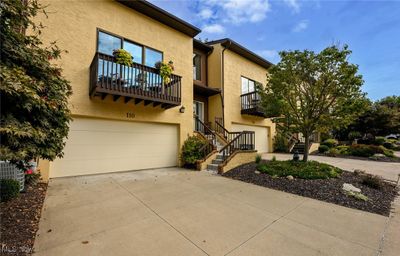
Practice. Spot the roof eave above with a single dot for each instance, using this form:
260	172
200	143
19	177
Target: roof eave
162	16
243	51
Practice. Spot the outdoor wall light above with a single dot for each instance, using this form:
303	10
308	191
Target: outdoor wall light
182	109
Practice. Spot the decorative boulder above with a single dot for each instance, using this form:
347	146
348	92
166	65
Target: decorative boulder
257	172
350	188
289	177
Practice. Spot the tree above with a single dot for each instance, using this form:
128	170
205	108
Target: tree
313	92
379	119
34	94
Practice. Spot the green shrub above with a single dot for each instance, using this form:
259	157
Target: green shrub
333	152
281	144
387	152
343	149
388	145
9	189
258	159
379	140
365	150
323	148
372	181
331	143
299	169
191	150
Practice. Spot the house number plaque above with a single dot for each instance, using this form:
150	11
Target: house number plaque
130	115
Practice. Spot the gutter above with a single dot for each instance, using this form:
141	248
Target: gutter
223	82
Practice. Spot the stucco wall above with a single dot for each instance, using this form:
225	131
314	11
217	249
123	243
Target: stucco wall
239	158
236	66
73	25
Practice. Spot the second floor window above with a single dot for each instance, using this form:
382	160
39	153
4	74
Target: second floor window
248	85
196	66
141	54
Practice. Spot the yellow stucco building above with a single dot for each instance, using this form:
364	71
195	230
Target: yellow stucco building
129	118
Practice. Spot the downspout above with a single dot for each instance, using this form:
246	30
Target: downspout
223	82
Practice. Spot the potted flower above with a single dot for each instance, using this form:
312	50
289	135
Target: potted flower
165	70
123	57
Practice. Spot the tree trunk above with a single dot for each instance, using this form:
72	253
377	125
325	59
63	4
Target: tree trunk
306	147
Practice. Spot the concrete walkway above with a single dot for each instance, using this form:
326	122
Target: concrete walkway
177	212
387	170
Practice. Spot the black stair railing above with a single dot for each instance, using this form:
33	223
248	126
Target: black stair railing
229	136
201	127
245	141
209	134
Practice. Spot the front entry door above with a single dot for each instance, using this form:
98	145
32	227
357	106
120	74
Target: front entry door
198	111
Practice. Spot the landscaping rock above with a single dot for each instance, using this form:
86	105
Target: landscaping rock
257	172
328	190
350	188
359	172
289	177
379	155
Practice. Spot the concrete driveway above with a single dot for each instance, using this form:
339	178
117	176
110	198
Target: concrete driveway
177	212
387	170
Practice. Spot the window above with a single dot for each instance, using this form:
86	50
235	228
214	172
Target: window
107	43
196	67
135	50
248	85
152	57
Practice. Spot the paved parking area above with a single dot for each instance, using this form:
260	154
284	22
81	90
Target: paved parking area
178	212
388	170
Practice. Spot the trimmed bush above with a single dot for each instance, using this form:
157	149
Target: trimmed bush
379	140
9	189
323	148
343	150
191	150
365	150
333	152
387	152
388	145
299	169
330	143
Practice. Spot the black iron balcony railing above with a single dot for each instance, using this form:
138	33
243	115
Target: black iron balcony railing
251	104
137	82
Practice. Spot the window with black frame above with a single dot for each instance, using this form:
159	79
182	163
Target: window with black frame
137	75
196	66
249	97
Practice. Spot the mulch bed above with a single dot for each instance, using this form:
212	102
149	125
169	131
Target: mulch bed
380	159
329	190
20	220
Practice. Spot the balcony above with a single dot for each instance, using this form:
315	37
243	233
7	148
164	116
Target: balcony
138	83
251	104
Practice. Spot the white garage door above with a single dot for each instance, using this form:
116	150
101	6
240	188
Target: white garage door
260	132
99	146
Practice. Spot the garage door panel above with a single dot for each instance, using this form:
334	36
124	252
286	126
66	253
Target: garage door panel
261	134
98	146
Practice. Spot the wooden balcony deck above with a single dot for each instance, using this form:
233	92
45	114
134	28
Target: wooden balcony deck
251	104
138	83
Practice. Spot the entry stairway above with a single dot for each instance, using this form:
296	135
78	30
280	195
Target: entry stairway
225	142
